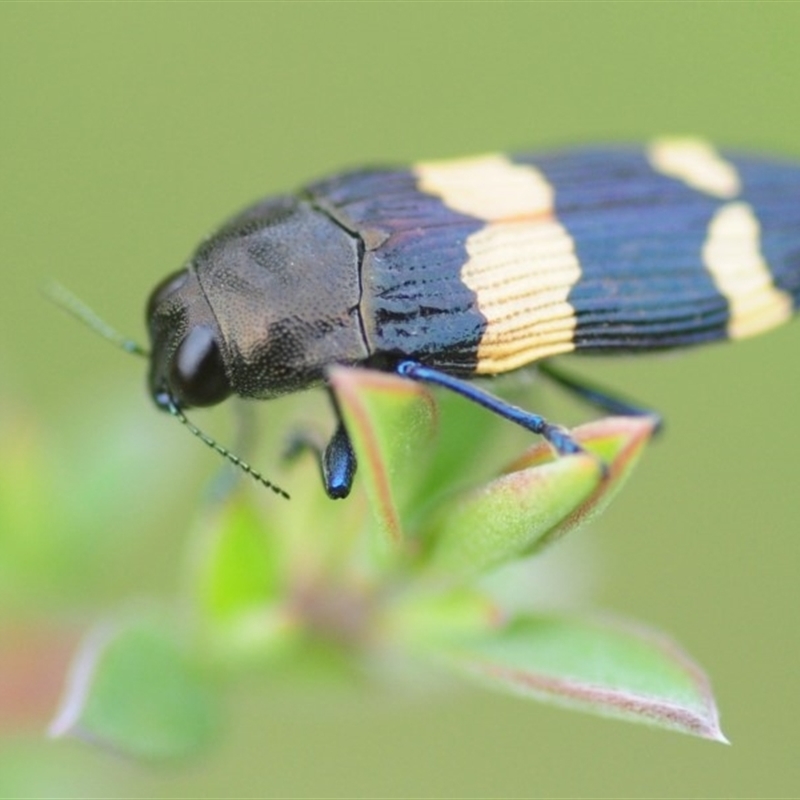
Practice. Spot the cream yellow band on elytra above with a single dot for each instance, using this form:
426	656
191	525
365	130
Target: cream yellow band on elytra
732	255
522	273
488	187
697	164
521	265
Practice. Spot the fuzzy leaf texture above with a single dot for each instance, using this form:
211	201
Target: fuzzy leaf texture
606	667
133	691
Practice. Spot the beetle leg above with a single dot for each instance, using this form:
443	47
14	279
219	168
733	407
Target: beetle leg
338	464
598	397
556	435
336	459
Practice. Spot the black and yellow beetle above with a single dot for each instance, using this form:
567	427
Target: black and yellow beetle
448	270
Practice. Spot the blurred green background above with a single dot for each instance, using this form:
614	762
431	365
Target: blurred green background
130	130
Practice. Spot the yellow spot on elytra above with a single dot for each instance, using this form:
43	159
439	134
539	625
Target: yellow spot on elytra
489	187
732	255
697	164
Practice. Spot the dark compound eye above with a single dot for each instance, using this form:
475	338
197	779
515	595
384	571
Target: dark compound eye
197	376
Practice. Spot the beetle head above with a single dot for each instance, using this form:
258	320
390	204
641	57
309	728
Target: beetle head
187	366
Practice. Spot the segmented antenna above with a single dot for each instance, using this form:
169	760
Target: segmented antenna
67	301
214	445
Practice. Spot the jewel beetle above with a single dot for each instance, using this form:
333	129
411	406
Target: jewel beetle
450	270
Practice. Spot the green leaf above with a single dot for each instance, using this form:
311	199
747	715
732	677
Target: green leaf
540	497
239	562
390	422
134	691
240	584
618	441
604	667
470	444
506	518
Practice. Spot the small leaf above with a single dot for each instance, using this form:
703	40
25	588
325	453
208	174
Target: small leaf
239	563
608	668
506	518
618	441
239	580
389	419
135	692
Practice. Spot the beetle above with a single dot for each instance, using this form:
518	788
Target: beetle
446	271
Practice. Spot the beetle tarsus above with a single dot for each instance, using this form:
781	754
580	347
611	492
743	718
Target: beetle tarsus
336	460
338	464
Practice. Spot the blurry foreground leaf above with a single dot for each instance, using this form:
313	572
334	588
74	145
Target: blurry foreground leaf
240	564
132	690
603	667
540	497
238	581
506	518
617	441
322	589
390	421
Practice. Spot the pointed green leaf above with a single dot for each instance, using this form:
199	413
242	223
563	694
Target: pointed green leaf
390	421
239	563
134	691
239	575
470	444
618	441
607	668
506	518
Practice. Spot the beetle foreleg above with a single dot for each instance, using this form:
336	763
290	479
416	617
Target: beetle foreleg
338	464
337	461
556	435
